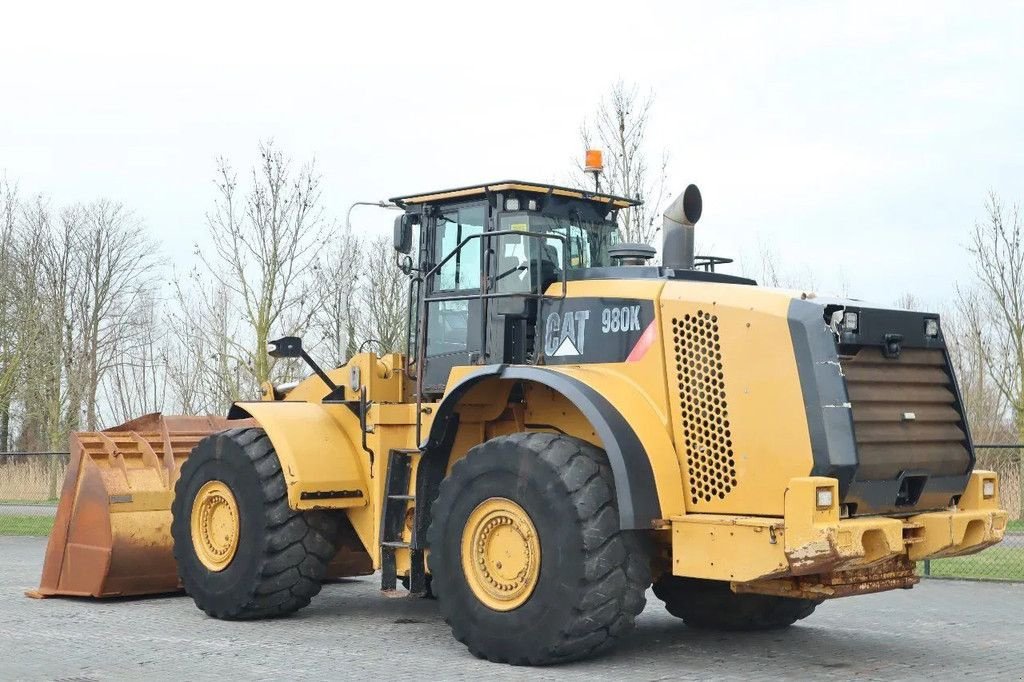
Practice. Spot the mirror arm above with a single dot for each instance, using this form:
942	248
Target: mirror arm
319	371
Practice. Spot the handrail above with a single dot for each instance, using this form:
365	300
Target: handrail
482	295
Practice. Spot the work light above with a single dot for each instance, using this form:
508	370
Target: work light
824	498
988	488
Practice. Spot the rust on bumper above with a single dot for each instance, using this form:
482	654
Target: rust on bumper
838	557
892	574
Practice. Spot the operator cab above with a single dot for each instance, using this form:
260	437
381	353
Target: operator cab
484	257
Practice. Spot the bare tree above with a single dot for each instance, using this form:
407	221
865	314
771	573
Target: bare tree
137	384
336	323
203	367
265	256
10	351
767	269
993	313
966	331
117	267
620	126
189	353
907	301
384	298
49	275
997	248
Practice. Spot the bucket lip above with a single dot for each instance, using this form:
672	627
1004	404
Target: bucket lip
155	422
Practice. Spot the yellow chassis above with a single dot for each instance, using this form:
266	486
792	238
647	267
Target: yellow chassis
811	552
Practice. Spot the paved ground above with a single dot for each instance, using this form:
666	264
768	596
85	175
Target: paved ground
939	630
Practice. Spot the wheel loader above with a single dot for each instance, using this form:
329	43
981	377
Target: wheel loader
570	424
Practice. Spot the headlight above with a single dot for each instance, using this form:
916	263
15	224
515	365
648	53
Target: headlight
824	498
931	328
512	204
988	488
851	321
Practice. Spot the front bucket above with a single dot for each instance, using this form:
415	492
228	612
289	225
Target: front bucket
112	533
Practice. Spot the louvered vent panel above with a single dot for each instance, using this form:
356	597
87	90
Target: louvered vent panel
905	415
705	415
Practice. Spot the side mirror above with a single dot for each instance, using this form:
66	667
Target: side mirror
403	233
285	347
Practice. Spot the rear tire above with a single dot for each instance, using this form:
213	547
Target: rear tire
712	605
279	557
588	576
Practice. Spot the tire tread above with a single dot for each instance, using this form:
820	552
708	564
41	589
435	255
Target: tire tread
616	568
298	545
712	605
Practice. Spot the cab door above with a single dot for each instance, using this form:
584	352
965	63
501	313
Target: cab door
453	310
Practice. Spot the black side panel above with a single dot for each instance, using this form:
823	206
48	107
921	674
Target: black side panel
634	480
826	403
591	329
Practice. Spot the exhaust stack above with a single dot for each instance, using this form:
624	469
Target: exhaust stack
677	229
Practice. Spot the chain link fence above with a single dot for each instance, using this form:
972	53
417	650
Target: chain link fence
30	484
1005	561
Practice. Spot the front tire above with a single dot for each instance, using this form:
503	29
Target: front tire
712	605
571	583
241	552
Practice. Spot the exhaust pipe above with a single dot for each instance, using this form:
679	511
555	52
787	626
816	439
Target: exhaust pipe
677	229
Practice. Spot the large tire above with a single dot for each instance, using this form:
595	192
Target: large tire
591	576
281	555
712	605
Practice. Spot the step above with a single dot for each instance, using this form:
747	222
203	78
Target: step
402	497
395	545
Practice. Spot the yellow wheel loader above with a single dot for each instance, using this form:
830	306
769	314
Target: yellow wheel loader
571	424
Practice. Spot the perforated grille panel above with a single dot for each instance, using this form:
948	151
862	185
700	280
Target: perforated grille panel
705	415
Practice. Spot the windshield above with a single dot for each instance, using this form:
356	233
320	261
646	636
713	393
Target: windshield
588	241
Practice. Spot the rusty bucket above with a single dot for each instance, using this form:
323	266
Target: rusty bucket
112	533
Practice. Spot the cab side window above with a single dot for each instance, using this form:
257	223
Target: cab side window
462	271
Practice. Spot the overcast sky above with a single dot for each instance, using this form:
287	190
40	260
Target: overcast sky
858	140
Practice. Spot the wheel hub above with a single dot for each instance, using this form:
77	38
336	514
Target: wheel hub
215	527
500	554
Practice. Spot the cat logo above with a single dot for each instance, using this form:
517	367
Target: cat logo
565	334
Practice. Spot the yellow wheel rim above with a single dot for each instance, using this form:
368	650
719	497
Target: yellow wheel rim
215	525
500	554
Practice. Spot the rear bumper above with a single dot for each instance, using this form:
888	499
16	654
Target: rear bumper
814	541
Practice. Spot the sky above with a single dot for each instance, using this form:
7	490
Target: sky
857	141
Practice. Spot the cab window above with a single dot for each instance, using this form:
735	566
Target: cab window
462	271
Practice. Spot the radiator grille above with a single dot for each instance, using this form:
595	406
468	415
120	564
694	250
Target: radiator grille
905	414
705	415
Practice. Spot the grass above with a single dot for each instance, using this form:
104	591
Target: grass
38	526
995	563
1016	526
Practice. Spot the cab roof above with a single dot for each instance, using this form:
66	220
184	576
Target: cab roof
515	186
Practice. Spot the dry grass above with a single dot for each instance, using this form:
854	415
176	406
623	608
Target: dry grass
31	479
1011	487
